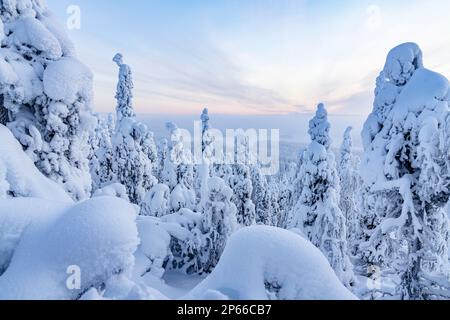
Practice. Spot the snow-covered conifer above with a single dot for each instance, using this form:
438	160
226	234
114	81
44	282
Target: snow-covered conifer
406	176
45	94
350	182
132	142
156	202
219	222
317	212
178	173
261	196
102	154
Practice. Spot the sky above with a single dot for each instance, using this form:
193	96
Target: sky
252	57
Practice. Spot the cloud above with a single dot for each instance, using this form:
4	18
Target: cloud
247	58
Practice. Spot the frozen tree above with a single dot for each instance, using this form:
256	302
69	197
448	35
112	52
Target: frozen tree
405	171
261	196
241	183
219	222
45	94
293	188
178	173
156	202
102	154
132	142
350	182
242	195
124	92
204	170
317	212
163	155
275	203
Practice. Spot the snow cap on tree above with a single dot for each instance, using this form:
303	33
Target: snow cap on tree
402	62
319	127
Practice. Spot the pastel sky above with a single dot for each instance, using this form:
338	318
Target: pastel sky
249	57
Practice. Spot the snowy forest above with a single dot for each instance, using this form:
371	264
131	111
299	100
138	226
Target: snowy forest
94	207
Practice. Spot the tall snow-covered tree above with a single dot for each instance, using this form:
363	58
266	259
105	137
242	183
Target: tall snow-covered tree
204	170
350	182
178	173
102	154
241	183
317	212
219	222
261	196
132	142
45	94
406	175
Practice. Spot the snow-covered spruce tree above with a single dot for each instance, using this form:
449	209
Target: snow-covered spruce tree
318	214
204	171
406	175
293	189
156	202
178	173
132	166
102	153
45	94
261	196
219	222
163	154
275	203
241	183
350	182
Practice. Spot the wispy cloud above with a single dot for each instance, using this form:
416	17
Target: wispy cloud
257	56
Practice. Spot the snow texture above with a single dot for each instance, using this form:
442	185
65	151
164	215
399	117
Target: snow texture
98	236
278	265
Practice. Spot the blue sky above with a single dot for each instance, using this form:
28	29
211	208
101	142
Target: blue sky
252	56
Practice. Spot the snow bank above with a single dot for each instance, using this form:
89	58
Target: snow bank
278	264
16	216
66	79
23	178
98	237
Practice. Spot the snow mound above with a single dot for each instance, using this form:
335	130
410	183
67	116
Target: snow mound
67	79
23	178
278	264
425	90
98	237
16	216
402	62
31	31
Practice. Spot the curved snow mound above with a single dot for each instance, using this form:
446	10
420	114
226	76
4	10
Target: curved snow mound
67	79
262	263
18	175
95	239
402	61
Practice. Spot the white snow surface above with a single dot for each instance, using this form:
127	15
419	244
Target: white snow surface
66	79
272	256
99	236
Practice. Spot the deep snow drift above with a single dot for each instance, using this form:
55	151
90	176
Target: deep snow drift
98	236
269	263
